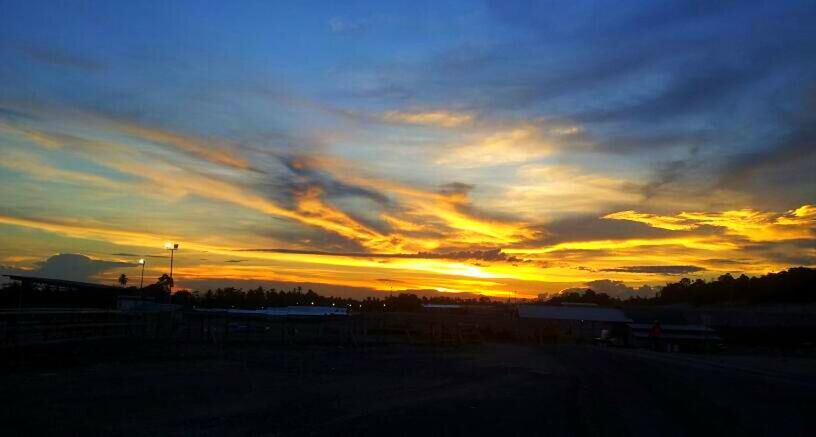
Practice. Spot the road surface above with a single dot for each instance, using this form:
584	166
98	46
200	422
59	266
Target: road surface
398	390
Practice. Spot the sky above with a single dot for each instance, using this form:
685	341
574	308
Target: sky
502	148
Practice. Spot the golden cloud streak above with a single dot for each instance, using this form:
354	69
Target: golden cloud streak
748	223
428	207
691	243
655	221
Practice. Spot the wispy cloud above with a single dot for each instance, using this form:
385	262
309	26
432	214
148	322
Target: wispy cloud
344	25
439	118
60	57
507	144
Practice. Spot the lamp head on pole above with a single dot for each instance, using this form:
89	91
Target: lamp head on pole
142	261
171	246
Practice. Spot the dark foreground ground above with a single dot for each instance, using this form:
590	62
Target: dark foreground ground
394	390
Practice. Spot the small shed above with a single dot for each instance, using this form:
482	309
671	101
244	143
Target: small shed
577	322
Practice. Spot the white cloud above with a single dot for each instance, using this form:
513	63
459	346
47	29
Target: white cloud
341	25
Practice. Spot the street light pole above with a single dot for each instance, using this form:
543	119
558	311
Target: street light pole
141	280
172	247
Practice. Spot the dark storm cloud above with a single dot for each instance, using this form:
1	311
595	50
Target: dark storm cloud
659	270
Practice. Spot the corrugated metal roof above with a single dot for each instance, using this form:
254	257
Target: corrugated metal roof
284	311
61	282
664	327
592	314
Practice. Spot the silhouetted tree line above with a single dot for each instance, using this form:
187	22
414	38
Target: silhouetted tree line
795	285
587	296
258	298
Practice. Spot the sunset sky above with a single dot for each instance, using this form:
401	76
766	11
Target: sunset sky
501	148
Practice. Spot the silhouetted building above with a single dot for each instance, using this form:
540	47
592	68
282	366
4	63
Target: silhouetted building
48	292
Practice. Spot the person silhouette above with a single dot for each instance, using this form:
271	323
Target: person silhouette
656	335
